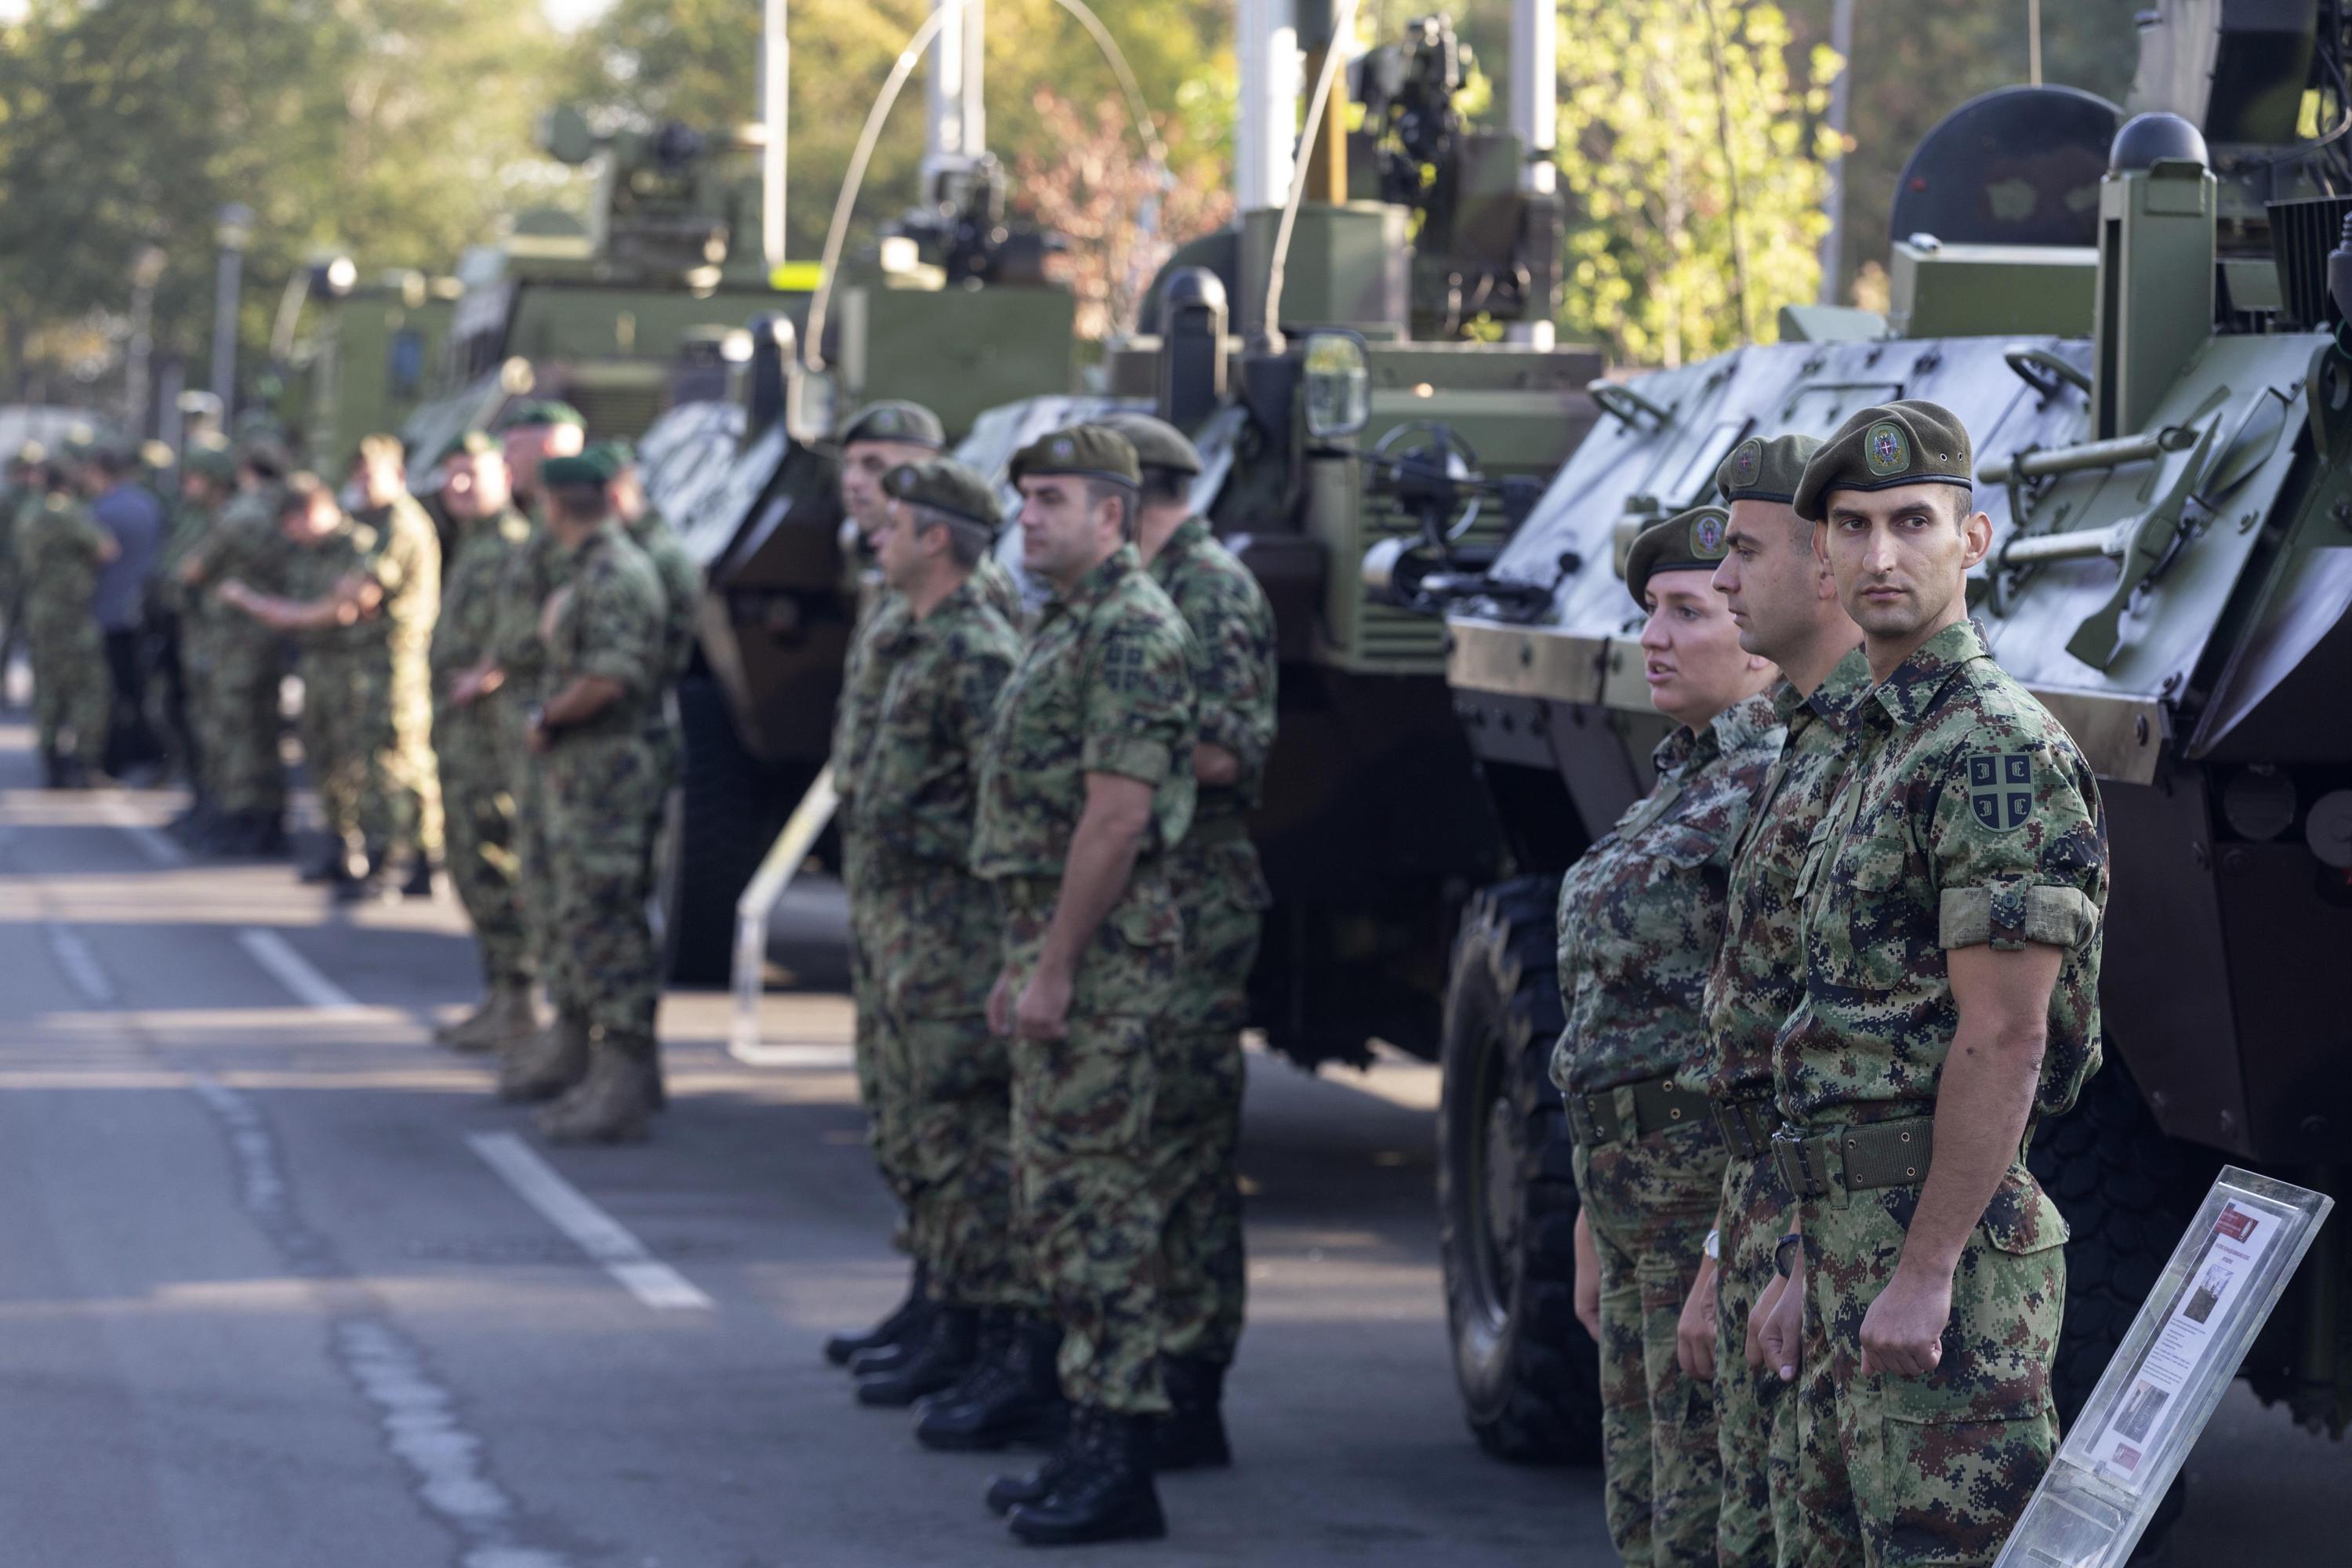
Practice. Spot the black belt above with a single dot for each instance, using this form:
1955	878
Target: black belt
1851	1159
1657	1105
1746	1124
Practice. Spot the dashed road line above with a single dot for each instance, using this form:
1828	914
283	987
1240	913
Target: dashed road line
151	841
596	1232
296	974
80	965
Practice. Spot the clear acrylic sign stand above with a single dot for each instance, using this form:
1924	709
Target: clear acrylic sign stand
2163	1385
751	911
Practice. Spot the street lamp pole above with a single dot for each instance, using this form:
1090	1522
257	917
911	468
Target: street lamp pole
146	271
235	232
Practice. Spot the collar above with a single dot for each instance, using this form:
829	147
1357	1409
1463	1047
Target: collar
1189	536
1909	694
602	534
1098	584
1737	727
1847	683
964	597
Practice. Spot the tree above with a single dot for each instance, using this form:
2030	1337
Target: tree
1692	154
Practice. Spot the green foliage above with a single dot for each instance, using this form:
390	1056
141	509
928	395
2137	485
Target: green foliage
1654	256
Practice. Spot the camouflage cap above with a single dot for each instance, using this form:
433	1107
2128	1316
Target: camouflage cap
612	459
1687	541
1090	452
210	460
539	411
1761	469
1913	442
470	444
577	473
894	419
945	485
1156	443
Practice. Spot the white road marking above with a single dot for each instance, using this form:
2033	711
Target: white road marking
818	1057
80	965
596	1232
296	974
150	842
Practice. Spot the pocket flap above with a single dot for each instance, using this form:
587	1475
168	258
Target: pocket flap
2021	1219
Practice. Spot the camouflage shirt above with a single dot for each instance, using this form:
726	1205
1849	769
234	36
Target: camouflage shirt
189	523
1759	971
314	571
1640	915
405	562
243	543
922	756
533	572
608	623
58	546
1233	665
1104	686
1965	815
682	583
866	672
466	630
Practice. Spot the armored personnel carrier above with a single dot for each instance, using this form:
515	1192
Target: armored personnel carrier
2140	321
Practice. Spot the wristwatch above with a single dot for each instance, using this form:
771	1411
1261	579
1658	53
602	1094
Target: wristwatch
1714	1248
1786	1251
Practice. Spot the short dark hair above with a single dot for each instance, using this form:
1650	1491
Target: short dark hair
966	540
1102	490
1166	485
579	504
301	491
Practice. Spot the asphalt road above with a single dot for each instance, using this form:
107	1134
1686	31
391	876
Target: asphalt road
280	1283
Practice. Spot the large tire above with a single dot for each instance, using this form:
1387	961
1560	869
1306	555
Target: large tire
1529	1374
726	819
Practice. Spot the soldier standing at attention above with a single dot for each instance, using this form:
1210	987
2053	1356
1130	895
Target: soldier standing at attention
1640	916
1786	609
1086	790
932	924
604	637
63	551
473	732
1196	1118
207	474
1953	902
241	719
878	438
400	799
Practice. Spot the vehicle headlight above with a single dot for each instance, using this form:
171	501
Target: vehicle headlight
1339	386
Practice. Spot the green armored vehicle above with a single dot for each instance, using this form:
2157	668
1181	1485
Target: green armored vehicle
2141	325
368	359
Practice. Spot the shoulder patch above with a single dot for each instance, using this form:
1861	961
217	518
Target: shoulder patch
2001	789
1886	449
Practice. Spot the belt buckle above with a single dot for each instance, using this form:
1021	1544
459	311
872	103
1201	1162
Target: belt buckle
1805	1184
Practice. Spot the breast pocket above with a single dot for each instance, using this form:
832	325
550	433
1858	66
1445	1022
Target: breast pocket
1871	883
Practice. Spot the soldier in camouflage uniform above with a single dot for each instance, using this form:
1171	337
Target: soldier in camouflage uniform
932	925
604	637
22	486
207	473
61	548
240	718
474	732
1953	899
1196	1120
1786	609
1087	791
1640	915
400	794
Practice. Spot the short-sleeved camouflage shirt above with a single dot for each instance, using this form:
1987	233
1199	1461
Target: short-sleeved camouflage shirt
316	570
1104	686
868	670
406	564
682	583
1641	913
58	545
608	623
466	631
1234	665
1759	971
534	573
921	766
1965	815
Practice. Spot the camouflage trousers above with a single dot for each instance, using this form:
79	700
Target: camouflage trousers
1758	1439
933	945
602	797
1196	1117
879	1054
526	776
1084	1199
1650	1202
334	731
1904	1472
72	693
400	804
470	755
240	717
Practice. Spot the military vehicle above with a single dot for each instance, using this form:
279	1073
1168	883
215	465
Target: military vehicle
2141	323
367	361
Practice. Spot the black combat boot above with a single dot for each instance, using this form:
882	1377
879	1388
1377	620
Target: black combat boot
904	1322
1006	1492
52	770
1105	1494
422	870
1192	1435
330	865
941	1359
373	883
1016	1398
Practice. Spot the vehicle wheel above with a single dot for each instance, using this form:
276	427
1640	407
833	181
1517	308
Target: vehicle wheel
1529	1374
725	823
2123	1186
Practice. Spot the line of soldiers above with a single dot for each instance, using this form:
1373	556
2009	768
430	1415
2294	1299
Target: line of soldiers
1055	906
1821	984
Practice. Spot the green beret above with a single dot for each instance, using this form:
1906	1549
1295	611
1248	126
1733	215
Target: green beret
894	419
1687	541
611	456
539	411
945	485
1909	443
573	473
1090	451
1758	469
210	461
470	444
1156	443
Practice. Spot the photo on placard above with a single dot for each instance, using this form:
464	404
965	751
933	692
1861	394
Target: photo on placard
2202	1300
2138	1412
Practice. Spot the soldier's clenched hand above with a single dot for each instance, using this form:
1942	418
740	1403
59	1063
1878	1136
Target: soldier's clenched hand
1781	1336
1042	1012
1588	1278
1903	1332
1695	1330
